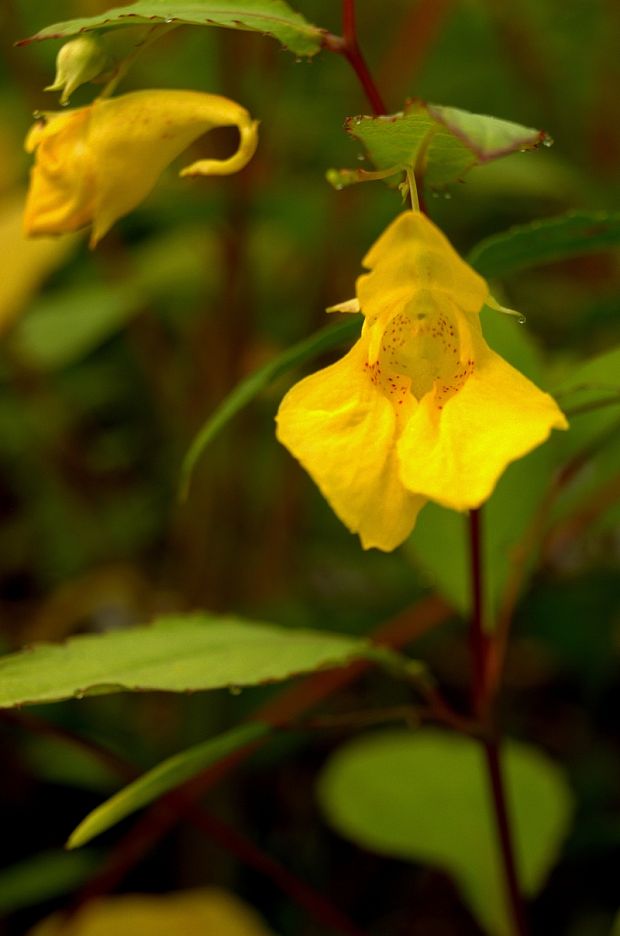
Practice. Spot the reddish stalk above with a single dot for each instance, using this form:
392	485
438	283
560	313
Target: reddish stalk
167	811
502	820
477	635
482	702
348	46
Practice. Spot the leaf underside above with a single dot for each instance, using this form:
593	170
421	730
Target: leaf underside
270	17
441	143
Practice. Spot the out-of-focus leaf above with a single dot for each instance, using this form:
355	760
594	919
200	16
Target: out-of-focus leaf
208	910
175	654
581	394
161	779
616	927
25	262
442	143
529	245
43	877
248	389
63	328
269	17
590	394
425	797
52	760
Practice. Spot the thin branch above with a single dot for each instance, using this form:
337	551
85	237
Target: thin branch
348	46
482	700
168	810
478	639
500	806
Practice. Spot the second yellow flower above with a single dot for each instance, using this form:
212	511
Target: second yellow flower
95	164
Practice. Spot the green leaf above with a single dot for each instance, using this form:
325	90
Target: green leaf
425	797
248	389
269	17
590	396
442	143
43	877
546	241
176	654
63	328
588	385
161	779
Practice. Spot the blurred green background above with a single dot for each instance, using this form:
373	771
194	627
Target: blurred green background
111	360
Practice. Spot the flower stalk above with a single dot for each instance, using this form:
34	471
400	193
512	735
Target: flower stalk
347	45
482	702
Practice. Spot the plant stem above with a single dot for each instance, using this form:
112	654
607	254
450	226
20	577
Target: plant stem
348	46
477	636
500	807
482	698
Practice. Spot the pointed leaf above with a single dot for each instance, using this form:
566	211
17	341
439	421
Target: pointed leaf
175	654
546	241
443	143
166	776
248	389
42	877
425	797
269	17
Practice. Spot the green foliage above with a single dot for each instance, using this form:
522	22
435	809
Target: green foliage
424	797
546	241
64	328
165	777
43	877
441	143
175	654
112	359
324	340
269	17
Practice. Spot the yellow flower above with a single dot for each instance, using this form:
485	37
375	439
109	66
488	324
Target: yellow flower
420	408
95	164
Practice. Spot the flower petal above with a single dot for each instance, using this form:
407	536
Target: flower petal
61	194
412	254
135	136
343	431
456	455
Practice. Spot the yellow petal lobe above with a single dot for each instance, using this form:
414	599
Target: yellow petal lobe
343	430
456	455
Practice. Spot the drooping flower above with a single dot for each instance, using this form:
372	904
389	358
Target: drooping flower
420	408
95	164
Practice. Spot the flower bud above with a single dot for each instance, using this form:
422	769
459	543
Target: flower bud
77	62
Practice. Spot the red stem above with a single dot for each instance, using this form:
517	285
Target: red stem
348	46
500	806
163	816
477	636
349	27
328	916
482	699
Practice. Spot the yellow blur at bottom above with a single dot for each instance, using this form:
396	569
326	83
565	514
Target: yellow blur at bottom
207	912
